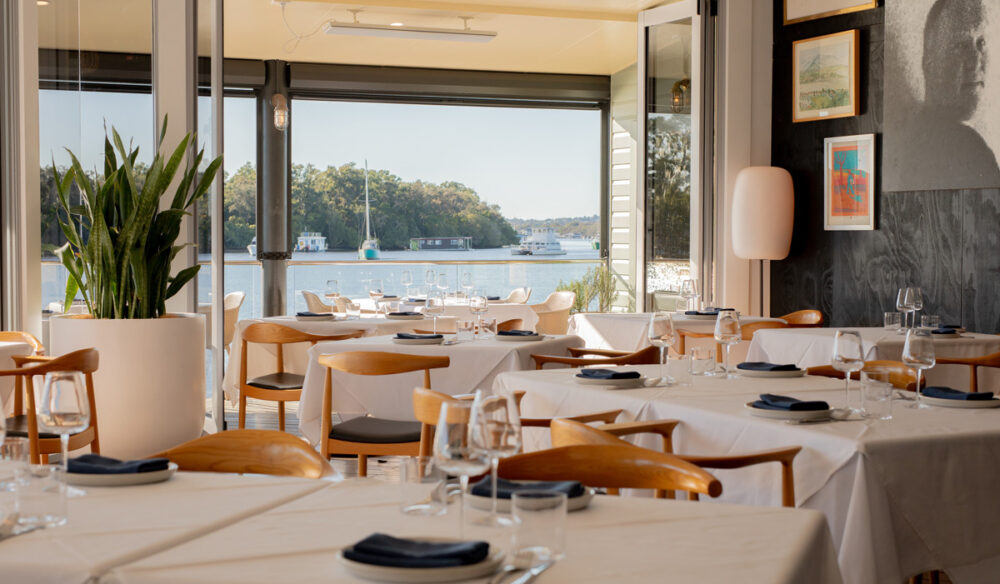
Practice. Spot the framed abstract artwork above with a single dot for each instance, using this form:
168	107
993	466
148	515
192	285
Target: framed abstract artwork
800	10
849	183
825	77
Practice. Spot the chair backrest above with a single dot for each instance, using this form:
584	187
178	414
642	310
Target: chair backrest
517	296
383	363
23	337
427	408
974	363
558	300
230	315
314	304
280	335
611	466
250	451
553	322
749	329
901	376
804	318
510	325
645	356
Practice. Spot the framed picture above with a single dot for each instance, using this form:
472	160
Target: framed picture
825	77
800	10
849	183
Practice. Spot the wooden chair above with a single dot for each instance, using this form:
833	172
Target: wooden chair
644	356
611	466
368	436
568	432
974	363
747	331
314	304
37	348
553	314
280	386
804	318
901	376
230	316
513	324
250	451
26	424
517	296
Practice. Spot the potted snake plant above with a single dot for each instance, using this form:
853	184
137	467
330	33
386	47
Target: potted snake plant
121	240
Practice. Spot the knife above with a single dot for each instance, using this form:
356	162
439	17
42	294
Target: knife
533	573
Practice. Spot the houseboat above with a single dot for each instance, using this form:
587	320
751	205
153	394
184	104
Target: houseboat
311	241
441	243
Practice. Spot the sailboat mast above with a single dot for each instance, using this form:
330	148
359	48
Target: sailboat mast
368	233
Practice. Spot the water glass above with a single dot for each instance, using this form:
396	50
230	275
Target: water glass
728	332
702	360
662	334
892	321
466	330
454	452
353	311
876	394
422	487
848	356
930	321
332	291
682	370
13	457
539	527
40	498
918	353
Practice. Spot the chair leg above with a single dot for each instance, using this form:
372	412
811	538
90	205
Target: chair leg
243	411
281	416
362	465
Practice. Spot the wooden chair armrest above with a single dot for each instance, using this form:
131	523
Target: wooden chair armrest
607	417
695	334
664	428
22	359
782	455
580	351
955	361
541	360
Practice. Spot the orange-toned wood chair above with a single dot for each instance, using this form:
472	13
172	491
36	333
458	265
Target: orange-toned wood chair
369	436
280	386
568	432
26	424
809	318
747	331
250	451
901	376
644	356
974	363
513	324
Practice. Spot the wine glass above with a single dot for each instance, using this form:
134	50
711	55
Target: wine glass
434	306
478	306
848	356
495	428
64	408
915	301
467	284
332	291
728	333
454	452
918	352
406	280
689	291
442	282
662	334
429	278
375	291
901	306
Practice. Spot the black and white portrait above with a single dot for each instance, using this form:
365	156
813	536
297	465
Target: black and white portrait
942	95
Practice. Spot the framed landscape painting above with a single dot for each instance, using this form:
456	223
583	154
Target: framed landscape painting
849	183
825	77
800	10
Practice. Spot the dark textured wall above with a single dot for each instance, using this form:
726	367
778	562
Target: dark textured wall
943	241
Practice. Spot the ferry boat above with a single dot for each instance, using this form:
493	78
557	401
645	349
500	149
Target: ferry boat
311	241
539	241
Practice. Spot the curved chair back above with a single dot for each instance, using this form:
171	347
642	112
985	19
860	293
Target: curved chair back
250	451
517	296
510	325
558	300
427	408
804	318
974	363
383	363
230	315
901	376
645	356
314	304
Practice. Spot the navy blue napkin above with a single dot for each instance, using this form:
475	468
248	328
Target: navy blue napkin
412	336
943	330
493	298
951	326
770	401
389	296
385	550
517	333
762	366
97	464
404	313
707	312
507	488
607	374
307	313
412	300
949	393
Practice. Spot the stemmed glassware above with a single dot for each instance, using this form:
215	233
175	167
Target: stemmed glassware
455	453
375	291
406	280
495	428
429	279
918	352
332	292
662	334
434	306
689	292
915	302
467	284
478	306
64	407
442	282
728	333
848	356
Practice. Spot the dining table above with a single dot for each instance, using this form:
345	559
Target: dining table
9	350
629	331
474	364
458	308
902	496
216	528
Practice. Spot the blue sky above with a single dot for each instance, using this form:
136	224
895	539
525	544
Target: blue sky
534	163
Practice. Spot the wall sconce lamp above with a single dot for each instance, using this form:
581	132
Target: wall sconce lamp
280	112
680	95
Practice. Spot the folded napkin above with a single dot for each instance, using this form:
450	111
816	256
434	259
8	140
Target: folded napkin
951	326
770	401
493	298
307	313
404	313
943	330
385	550
389	296
949	393
97	464
412	300
706	312
607	374
413	336
762	366
517	333
506	488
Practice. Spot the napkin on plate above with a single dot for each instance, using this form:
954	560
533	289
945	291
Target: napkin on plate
506	488
404	313
385	550
389	296
943	330
607	374
770	401
493	298
414	336
517	333
949	393
97	464
307	313
707	312
413	300
762	366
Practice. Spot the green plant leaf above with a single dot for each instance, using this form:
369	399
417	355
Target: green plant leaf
178	281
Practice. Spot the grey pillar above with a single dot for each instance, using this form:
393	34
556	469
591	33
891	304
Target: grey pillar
274	192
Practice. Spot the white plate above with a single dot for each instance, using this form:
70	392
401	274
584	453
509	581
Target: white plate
404	316
503	505
418	341
517	339
120	480
449	574
747	373
788	415
960	403
700	316
954	335
316	318
615	383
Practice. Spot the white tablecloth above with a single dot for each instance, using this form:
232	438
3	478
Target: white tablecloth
614	540
261	358
474	365
902	496
628	331
7	352
814	346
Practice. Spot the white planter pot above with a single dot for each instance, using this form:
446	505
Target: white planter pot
150	385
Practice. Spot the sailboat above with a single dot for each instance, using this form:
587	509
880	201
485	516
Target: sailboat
369	247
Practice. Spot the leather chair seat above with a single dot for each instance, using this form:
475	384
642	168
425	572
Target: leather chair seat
278	381
369	430
17	426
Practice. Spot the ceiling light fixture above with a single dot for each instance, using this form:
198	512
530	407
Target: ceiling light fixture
397	30
43	2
